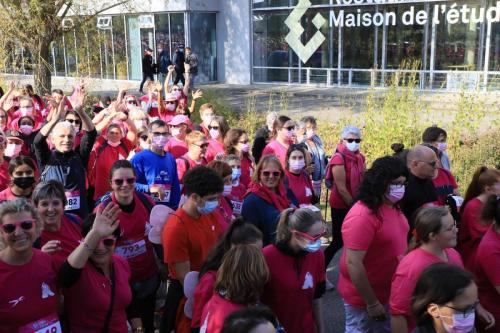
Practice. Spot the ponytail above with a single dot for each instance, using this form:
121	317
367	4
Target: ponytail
483	176
300	219
283	230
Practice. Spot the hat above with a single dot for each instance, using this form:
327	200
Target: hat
148	49
170	97
179	119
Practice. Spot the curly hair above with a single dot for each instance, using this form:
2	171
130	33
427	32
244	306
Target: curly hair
377	179
202	181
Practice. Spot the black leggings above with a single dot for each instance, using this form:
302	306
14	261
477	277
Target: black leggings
145	305
338	216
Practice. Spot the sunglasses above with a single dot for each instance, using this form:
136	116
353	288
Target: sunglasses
290	128
73	121
132	102
353	140
465	312
160	133
309	237
144	137
120	182
269	173
170	102
11	227
432	164
108	241
213	127
203	146
244	142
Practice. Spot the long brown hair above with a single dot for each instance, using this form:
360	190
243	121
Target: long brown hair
231	139
427	221
243	274
483	176
301	219
266	159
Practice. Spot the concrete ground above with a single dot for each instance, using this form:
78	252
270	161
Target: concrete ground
333	307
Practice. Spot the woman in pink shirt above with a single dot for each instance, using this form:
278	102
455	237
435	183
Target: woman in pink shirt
240	282
179	128
297	179
282	136
217	130
374	232
236	142
485	182
224	212
434	239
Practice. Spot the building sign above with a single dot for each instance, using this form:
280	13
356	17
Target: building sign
449	13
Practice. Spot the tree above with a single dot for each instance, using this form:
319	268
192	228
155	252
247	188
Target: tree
35	24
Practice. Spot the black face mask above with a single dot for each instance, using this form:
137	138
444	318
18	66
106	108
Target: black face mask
24	182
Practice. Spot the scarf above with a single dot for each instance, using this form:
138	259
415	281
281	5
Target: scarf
355	167
278	200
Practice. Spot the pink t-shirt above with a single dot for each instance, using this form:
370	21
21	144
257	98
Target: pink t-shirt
236	197
69	234
4	175
202	294
176	147
28	293
487	271
184	163
246	169
471	231
214	148
215	312
301	187
276	148
406	276
384	240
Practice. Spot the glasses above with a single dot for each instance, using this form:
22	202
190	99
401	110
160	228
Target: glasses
120	182
202	146
309	237
170	102
73	121
11	227
108	241
213	127
160	133
3	116
353	140
432	164
269	173
131	101
244	141
144	137
465	312
290	128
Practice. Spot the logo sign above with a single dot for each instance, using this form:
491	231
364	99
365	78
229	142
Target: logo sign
304	52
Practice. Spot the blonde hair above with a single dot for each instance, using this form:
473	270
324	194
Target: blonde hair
15	207
206	106
194	137
243	274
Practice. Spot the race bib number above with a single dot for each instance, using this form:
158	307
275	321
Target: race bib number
237	206
73	199
166	189
308	192
131	250
45	325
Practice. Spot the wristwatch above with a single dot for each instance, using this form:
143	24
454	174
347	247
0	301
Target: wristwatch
138	329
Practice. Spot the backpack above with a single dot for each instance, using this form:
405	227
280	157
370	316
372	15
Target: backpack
328	172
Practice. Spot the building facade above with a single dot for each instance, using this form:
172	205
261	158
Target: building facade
447	44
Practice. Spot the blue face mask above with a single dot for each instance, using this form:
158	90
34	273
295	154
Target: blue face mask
313	246
236	174
209	207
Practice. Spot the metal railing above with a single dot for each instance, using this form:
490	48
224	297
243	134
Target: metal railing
449	80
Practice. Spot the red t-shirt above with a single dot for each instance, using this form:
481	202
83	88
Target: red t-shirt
384	240
291	290
301	187
87	301
471	231
7	195
336	201
133	245
445	184
247	170
202	294
4	175
101	165
176	147
236	197
276	148
182	166
216	311
69	234
154	106
28	293
187	239
487	271
224	213
406	276
214	148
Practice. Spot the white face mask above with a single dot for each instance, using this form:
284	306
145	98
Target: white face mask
214	134
207	119
297	165
170	107
352	146
175	131
309	133
12	150
140	123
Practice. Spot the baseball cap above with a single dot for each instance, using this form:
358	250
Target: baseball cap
180	119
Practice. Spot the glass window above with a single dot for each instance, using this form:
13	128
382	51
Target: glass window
269	3
163	54
92	45
495	47
176	31
204	45
58	56
119	48
71	56
358	43
134	48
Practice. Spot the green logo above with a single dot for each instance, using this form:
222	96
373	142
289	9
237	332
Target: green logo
304	52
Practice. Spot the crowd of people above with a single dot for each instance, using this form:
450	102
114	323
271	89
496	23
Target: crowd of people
134	218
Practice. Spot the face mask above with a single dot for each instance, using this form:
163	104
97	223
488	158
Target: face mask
442	146
313	246
245	147
159	141
139	123
352	146
154	104
209	207
288	134
170	107
24	182
297	165
459	323
26	110
144	145
26	129
176	93
236	174
309	134
395	193
207	119
214	134
12	150
175	131
227	190
114	144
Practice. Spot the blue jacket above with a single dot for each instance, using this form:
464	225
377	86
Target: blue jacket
151	168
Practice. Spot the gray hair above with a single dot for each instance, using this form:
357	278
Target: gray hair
47	190
63	124
349	129
301	124
15	207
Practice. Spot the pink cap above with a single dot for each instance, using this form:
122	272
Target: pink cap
180	119
170	97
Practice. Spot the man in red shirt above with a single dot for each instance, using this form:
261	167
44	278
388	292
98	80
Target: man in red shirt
189	234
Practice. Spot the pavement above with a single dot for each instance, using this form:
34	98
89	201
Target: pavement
333	307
